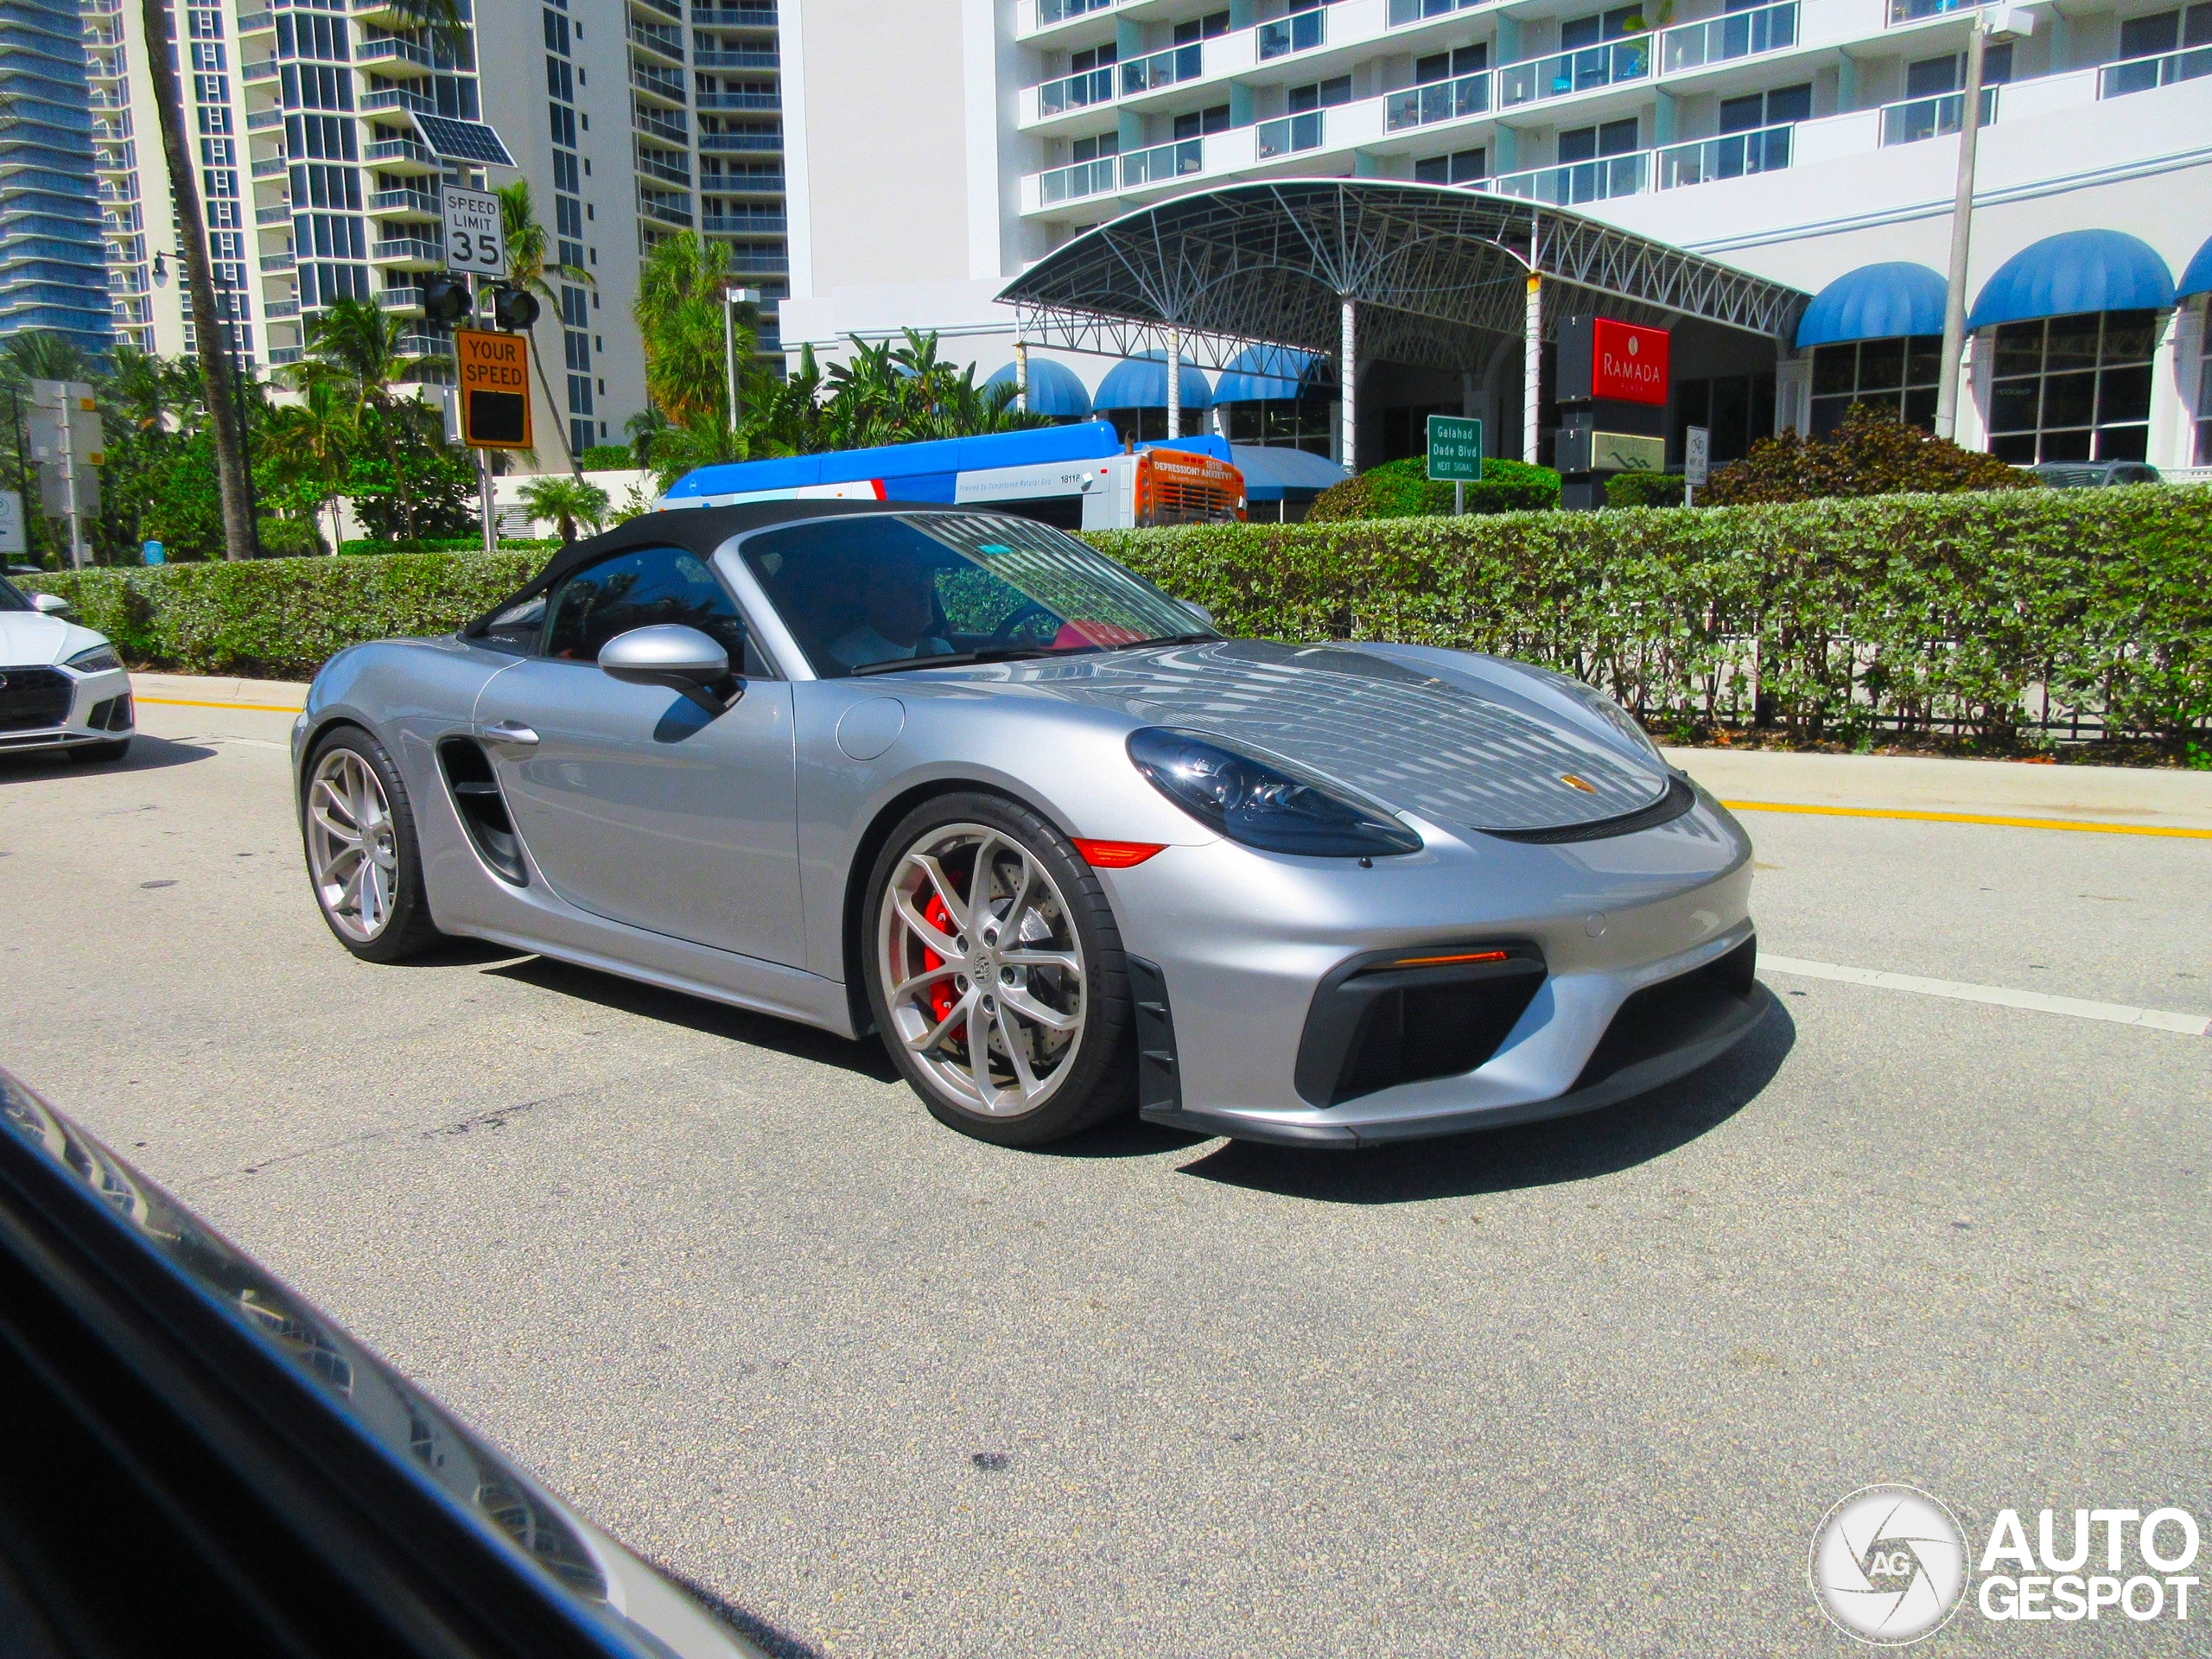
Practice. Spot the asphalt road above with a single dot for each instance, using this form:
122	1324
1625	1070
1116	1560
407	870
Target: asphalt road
1580	1388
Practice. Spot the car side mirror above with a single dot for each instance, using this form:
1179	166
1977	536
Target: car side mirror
683	660
49	604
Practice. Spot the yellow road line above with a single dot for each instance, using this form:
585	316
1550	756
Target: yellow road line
256	707
1969	817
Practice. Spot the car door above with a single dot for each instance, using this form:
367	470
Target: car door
635	802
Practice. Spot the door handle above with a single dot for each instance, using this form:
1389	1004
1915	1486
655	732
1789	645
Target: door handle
511	731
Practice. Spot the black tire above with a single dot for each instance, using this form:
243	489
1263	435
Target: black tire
87	754
407	929
1096	1078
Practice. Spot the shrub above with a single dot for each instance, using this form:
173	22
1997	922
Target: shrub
1645	489
1873	453
450	544
289	538
1401	489
607	458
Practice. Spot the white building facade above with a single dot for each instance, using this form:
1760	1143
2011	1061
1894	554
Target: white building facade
632	119
1813	142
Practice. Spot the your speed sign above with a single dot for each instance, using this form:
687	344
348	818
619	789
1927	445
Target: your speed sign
474	241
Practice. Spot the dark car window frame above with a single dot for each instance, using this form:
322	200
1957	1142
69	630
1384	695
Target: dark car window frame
757	664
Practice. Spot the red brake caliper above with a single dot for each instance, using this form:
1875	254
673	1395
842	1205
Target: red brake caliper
941	997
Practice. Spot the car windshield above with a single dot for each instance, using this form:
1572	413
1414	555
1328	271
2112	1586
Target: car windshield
11	597
873	593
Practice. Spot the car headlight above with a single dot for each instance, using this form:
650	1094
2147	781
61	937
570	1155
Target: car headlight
1614	716
98	661
1263	803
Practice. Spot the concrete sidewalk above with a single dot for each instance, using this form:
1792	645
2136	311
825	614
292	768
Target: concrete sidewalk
2114	797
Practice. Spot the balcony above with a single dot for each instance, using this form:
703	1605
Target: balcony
1158	69
671	9
280	215
744	224
264	70
662	42
262	120
667	212
1913	12
770	143
280	356
1732	155
431	346
1288	136
652	123
277	262
392	13
740	100
276	310
742	184
404	301
406	204
1585	71
1050	12
396	58
1578	181
1299	32
1075	92
256	23
734	16
1916	119
411	252
1403	12
270	166
2142	74
653	83
1722	40
749	57
400	156
649	164
759	264
1098	178
1162	163
1440	100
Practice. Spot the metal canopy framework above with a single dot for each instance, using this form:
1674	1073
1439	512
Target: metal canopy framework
1438	274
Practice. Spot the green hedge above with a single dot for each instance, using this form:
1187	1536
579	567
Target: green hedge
1954	606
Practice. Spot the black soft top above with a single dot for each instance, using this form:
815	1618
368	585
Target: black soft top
697	529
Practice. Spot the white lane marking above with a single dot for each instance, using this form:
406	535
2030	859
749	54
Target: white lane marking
2119	1013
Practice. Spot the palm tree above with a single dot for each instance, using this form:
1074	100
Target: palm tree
527	270
568	502
313	440
354	347
233	485
709	442
679	315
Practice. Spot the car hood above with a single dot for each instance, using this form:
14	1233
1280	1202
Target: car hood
1457	738
33	640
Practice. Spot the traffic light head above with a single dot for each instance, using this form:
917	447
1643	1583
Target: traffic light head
515	309
445	298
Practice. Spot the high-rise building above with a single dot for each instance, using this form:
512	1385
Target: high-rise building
318	184
51	274
1813	142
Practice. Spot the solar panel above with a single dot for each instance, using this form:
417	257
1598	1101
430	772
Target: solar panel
461	141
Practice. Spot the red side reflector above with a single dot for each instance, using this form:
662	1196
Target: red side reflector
1116	854
1438	962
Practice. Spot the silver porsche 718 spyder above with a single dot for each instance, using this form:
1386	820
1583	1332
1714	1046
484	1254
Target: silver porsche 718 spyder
955	778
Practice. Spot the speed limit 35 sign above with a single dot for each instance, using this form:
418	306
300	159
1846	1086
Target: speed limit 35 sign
475	240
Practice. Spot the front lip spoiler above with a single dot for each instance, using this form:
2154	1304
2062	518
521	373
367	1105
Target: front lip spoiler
1625	1084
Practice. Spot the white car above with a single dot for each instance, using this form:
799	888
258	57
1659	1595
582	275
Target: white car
61	687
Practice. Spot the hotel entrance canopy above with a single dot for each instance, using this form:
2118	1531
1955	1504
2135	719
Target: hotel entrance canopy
1368	270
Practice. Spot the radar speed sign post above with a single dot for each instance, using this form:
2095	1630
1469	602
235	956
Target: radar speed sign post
1455	454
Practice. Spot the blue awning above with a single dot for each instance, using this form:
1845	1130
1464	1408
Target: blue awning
2198	279
2072	272
1274	472
1875	303
1142	383
1054	389
1259	372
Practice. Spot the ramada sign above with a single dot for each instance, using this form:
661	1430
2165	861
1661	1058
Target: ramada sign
1628	362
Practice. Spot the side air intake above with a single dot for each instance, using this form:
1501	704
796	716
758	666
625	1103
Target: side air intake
482	809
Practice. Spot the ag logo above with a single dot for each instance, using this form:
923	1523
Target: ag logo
1889	1565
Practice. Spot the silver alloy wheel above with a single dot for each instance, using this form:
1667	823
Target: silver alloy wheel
974	931
353	848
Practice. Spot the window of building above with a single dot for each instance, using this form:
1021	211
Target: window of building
2204	406
1769	108
1578	32
2166	31
1096	148
1449	66
1096	57
1461	167
1933	77
1896	375
1588	144
1203	121
1285	422
1320	94
2073	388
1735	410
1202	28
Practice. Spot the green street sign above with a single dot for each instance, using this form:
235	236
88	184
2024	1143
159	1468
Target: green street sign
1455	450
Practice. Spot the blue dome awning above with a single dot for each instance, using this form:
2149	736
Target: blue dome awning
2198	279
1054	389
2072	272
1261	372
1875	303
1142	383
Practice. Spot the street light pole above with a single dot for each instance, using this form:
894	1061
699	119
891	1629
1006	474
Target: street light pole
2001	23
